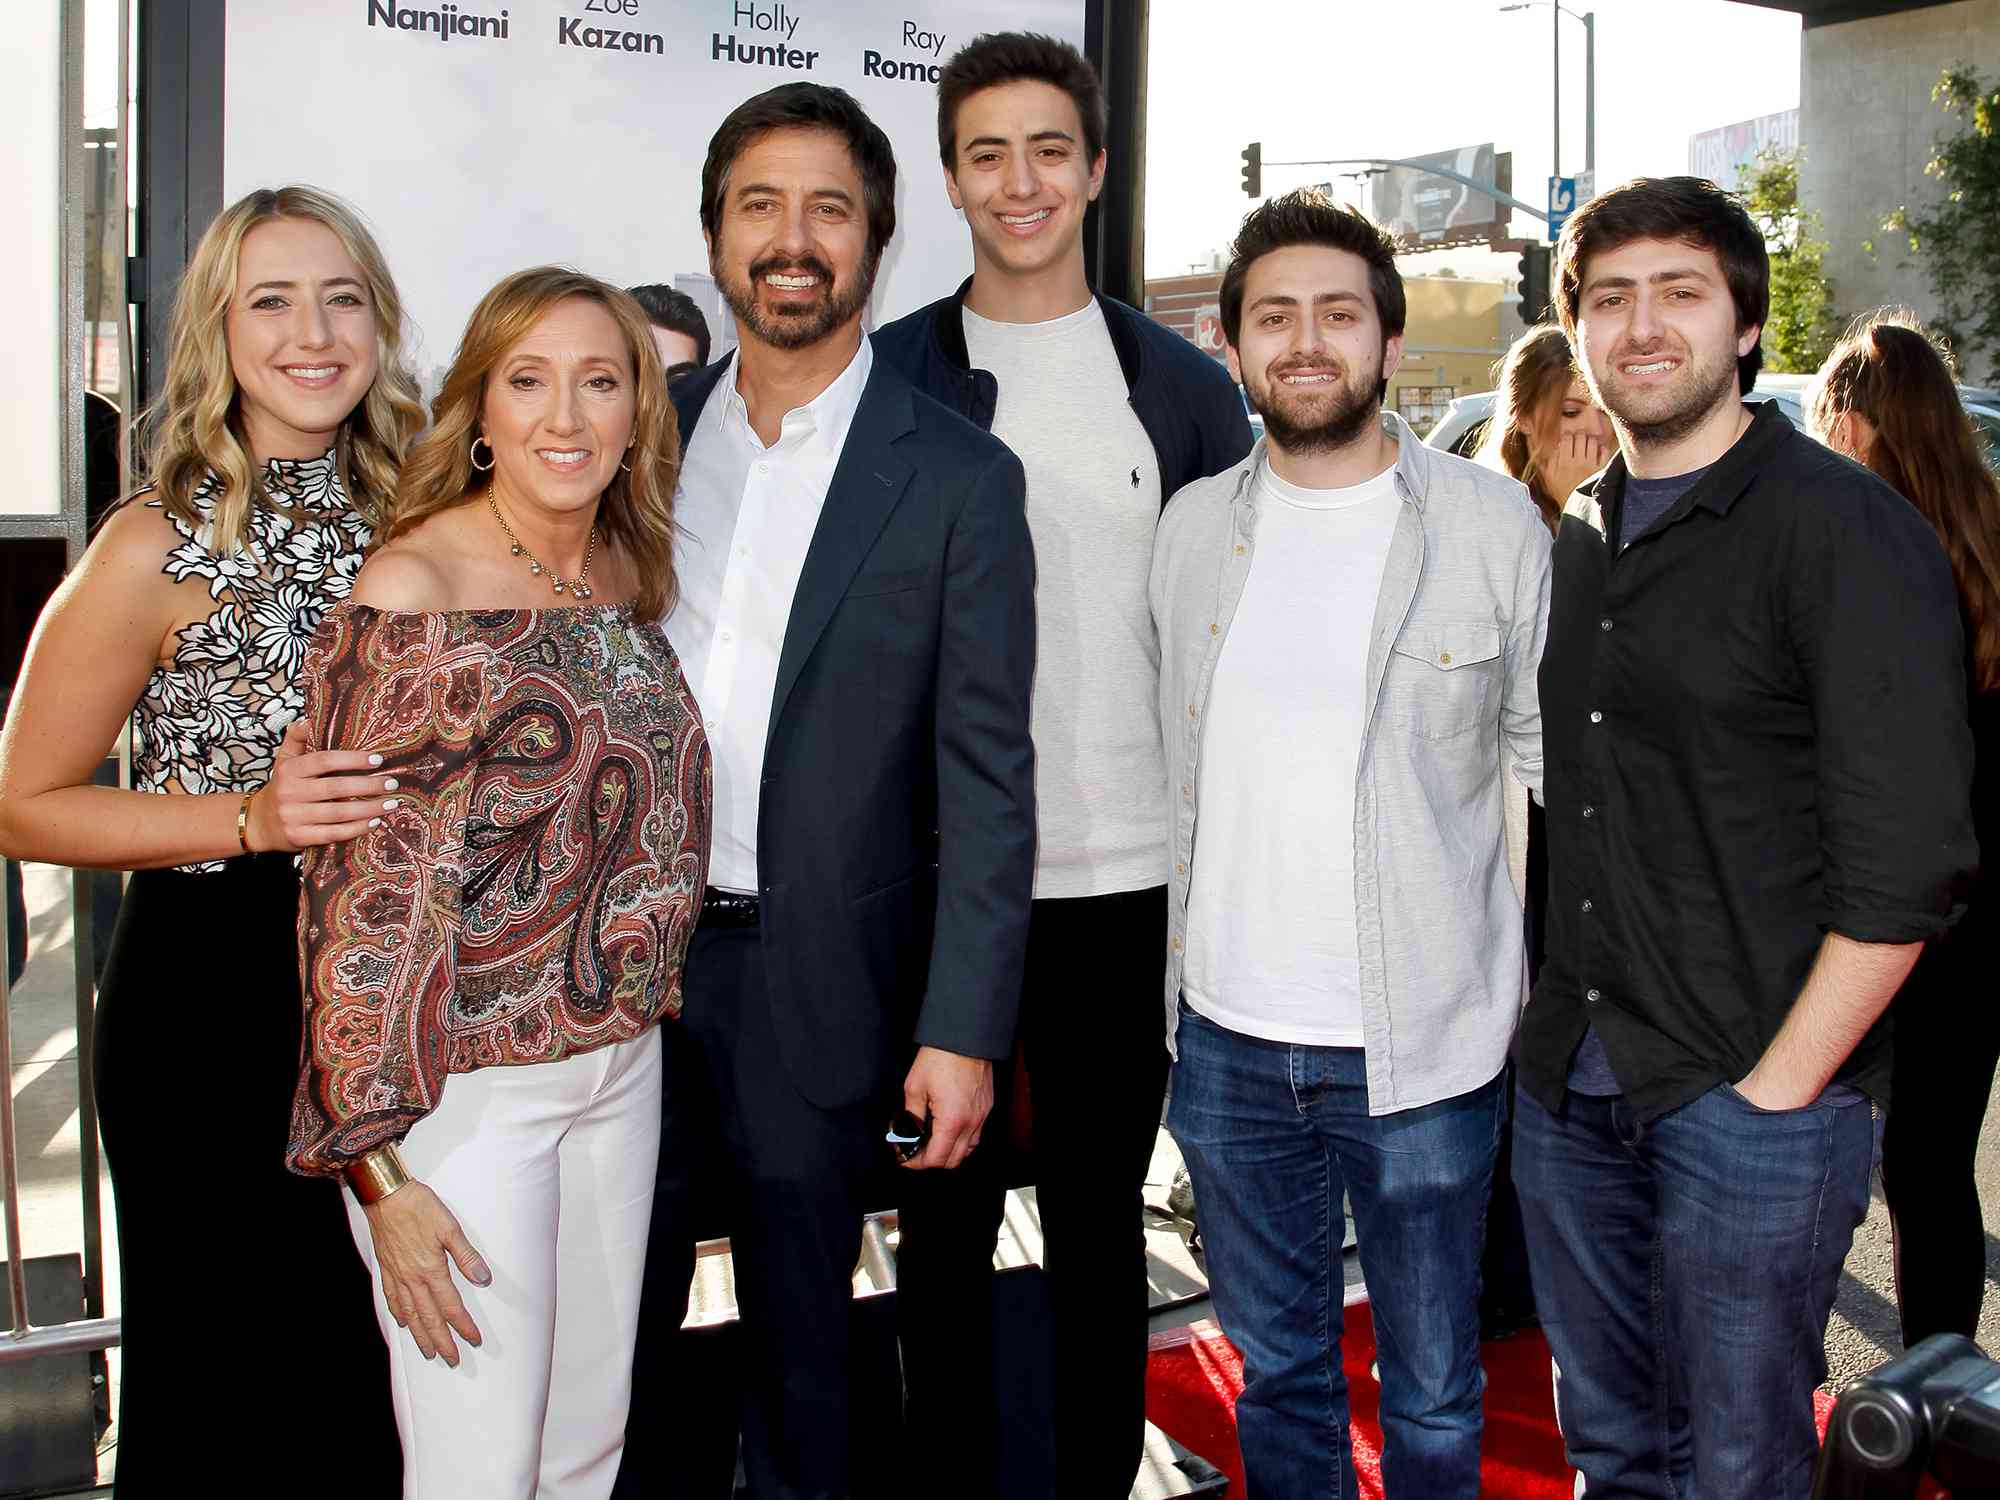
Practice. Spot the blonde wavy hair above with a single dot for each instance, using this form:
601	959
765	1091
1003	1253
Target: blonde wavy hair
636	511
195	427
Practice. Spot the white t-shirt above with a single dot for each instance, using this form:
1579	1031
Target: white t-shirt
1093	504
1271	946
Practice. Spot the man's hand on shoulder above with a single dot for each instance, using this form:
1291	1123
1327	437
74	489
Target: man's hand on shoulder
955	1094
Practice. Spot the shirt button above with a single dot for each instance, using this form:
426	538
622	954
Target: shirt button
1591	996
1444	658
1596	717
763	468
1215	629
1605	623
1239	549
1180	869
1586	904
1192	714
726	636
1177	945
1187	791
1589	811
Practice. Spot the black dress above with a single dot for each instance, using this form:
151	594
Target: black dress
251	1358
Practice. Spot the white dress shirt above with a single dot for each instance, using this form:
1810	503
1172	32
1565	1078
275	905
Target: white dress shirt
747	514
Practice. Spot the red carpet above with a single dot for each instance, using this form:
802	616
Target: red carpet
1194	1374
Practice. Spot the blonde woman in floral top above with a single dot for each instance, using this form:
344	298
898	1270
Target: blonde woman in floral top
273	447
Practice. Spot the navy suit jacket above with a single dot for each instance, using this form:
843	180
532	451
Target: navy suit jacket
896	820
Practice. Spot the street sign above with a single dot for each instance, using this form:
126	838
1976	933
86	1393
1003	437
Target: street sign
1562	203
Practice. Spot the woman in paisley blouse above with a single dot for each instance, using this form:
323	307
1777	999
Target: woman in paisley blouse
484	971
275	444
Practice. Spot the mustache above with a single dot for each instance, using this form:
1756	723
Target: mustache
792	265
1294	363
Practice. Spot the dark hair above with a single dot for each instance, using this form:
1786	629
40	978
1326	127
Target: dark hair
674	311
1009	57
1885	368
806	106
1690	209
1307	217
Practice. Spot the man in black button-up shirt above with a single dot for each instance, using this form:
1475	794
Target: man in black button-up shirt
1757	773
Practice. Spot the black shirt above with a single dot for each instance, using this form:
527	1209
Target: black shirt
1754	733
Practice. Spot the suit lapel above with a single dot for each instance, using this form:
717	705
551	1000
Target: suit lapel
867	483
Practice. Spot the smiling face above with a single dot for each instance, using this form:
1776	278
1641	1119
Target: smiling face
302	339
1310	351
791	248
559	409
1022	176
1656	329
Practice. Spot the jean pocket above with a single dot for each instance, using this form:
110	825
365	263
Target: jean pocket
1818	1101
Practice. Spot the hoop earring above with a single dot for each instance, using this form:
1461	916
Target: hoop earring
623	465
472	454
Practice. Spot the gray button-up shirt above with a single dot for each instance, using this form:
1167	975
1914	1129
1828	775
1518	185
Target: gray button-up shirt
1451	691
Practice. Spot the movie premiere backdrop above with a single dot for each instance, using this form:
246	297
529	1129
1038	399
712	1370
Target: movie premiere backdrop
483	136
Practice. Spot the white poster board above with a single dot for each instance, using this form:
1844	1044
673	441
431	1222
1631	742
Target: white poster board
482	136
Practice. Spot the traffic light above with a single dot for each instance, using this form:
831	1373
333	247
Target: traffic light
1253	169
1536	305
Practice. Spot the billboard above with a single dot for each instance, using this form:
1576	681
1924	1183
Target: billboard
1721	154
482	136
1420	210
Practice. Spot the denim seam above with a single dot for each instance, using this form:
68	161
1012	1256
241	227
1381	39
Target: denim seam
1828	1119
1323	1333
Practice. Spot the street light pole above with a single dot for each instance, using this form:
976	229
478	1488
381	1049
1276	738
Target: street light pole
1589	19
1590	92
1556	88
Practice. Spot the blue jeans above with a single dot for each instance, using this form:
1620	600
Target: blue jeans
1684	1270
1273	1134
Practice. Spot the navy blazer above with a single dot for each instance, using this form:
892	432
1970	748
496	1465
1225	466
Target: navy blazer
896	821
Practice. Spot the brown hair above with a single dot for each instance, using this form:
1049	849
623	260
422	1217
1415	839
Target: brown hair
194	428
1692	210
636	511
1008	57
805	106
1529	382
1307	217
1887	369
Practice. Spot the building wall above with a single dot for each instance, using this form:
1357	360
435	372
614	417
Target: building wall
1866	126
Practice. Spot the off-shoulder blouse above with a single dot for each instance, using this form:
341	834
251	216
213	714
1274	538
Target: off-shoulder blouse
532	896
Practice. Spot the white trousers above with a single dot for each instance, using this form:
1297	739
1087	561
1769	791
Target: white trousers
549	1169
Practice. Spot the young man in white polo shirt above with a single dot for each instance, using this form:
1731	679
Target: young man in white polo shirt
1109	413
1350	627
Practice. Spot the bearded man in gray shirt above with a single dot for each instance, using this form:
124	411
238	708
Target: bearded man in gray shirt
1109	413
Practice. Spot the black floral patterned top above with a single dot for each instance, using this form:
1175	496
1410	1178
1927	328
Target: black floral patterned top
211	721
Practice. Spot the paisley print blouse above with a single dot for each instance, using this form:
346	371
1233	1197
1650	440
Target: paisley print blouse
533	896
211	720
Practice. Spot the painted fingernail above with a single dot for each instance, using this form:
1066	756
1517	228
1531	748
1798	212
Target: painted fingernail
389	783
374	760
392	804
374	822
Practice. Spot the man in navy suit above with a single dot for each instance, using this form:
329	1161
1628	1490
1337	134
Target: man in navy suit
856	618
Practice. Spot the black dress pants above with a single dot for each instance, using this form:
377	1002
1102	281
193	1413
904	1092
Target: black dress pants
1947	1042
1093	1029
788	1184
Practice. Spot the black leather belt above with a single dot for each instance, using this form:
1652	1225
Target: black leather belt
728	908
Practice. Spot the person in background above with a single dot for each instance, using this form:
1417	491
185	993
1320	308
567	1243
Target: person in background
1350	624
1753	704
485	967
1110	414
271	453
680	332
1546	429
1886	398
1548	432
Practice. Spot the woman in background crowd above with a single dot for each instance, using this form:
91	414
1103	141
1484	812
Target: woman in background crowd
274	445
1546	432
1885	397
485	969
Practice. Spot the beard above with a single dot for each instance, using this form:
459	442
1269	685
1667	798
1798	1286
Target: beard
1316	425
794	327
1657	417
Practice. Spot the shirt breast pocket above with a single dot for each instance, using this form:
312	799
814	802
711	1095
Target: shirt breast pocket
1444	680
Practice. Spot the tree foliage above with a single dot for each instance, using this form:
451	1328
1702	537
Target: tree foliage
1802	327
1957	240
